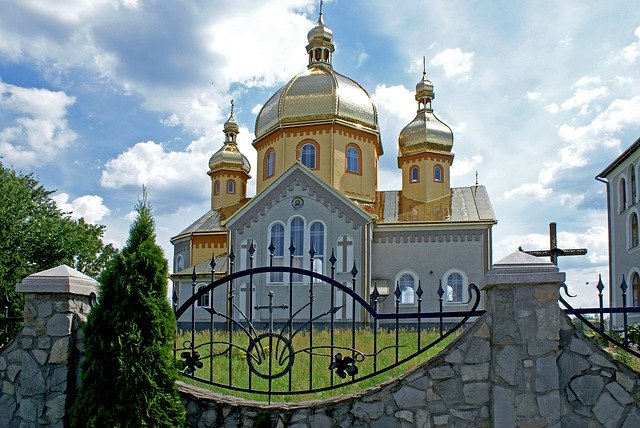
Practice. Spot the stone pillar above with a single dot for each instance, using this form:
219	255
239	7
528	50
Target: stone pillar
522	303
45	355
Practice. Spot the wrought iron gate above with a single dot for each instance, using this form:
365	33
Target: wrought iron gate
302	338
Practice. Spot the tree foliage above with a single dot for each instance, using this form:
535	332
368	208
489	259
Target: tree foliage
128	376
35	235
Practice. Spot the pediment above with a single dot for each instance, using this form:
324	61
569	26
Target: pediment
299	180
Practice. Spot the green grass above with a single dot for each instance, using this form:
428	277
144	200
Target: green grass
300	377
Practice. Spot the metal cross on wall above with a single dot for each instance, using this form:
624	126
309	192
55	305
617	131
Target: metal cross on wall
554	252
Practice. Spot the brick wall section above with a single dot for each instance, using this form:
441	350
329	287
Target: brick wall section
39	369
521	364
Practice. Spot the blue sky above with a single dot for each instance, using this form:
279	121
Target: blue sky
98	97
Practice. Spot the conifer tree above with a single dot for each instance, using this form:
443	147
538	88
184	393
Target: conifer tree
128	376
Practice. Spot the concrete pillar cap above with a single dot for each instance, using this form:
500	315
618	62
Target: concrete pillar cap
59	280
520	268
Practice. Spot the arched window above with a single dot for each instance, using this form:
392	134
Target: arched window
216	187
204	301
455	286
317	243
276	237
353	159
437	173
414	174
635	286
231	186
634	190
179	263
296	234
407	286
633	230
622	190
308	155
270	163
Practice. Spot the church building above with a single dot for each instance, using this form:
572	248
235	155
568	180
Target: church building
318	146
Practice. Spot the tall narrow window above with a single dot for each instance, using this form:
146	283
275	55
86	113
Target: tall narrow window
205	299
437	173
633	225
216	187
622	190
231	186
454	288
635	286
317	242
406	284
634	190
270	163
179	263
414	174
353	159
308	155
277	238
296	234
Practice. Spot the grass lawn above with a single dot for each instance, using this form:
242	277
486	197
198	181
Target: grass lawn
310	370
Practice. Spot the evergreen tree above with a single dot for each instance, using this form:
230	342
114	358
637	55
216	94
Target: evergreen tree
129	375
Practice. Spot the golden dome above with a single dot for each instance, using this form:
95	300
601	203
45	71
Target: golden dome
425	133
317	94
229	155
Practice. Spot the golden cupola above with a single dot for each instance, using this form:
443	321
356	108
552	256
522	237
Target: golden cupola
229	169
425	133
229	156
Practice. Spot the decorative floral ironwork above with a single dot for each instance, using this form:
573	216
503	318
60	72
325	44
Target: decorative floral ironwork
343	366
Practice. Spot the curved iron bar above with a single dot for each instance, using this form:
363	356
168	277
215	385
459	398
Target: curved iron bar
601	332
265	269
346	348
472	288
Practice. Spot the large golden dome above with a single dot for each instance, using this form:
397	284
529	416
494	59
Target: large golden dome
425	133
229	156
318	93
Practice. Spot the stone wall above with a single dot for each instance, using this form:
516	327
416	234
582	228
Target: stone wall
521	364
39	368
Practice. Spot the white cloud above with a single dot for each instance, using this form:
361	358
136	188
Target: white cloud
552	108
89	207
454	62
535	190
178	174
464	166
631	52
35	128
582	98
256	109
587	81
533	96
362	57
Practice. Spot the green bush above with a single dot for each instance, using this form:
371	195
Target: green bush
128	377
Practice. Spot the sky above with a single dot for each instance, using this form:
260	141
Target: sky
101	97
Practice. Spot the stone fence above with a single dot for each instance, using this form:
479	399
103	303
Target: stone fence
521	364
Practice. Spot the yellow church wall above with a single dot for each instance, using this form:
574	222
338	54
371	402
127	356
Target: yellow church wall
426	188
221	197
204	246
331	141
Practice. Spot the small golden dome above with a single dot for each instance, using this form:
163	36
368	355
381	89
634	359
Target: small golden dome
229	155
425	133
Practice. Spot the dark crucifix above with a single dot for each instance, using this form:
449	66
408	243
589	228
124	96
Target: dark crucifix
554	252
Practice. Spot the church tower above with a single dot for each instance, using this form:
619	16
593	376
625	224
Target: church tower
425	158
229	170
323	120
